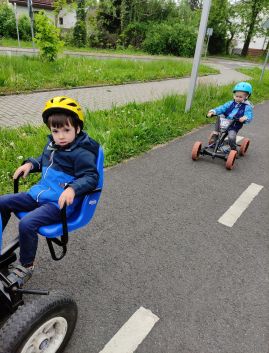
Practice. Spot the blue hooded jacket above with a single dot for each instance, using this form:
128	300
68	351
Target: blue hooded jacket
74	165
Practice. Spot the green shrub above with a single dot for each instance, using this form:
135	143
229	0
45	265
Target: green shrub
7	22
24	28
47	37
134	34
167	38
80	34
216	44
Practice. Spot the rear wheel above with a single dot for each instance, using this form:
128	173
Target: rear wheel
196	149
44	325
231	159
244	146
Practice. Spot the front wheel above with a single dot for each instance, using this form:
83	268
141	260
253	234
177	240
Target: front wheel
231	159
196	149
244	146
44	325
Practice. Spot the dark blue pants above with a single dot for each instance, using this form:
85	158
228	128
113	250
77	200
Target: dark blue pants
39	215
231	133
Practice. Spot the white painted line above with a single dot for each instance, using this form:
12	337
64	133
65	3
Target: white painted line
234	212
132	333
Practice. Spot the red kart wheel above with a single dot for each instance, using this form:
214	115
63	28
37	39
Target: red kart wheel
244	146
196	149
231	159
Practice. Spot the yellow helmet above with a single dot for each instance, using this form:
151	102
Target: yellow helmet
63	104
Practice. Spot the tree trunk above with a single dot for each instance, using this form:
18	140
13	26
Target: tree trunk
255	12
246	44
228	42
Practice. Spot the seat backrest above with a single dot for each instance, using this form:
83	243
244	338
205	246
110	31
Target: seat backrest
83	214
1	233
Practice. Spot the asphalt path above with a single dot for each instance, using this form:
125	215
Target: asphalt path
156	242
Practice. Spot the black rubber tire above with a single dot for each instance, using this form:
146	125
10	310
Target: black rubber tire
30	317
196	149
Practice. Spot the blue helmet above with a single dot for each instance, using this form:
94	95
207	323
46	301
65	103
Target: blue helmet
243	87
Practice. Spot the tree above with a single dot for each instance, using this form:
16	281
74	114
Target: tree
7	22
80	31
195	4
47	37
218	21
251	13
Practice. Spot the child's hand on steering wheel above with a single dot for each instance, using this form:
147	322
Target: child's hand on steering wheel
25	169
209	114
242	119
67	197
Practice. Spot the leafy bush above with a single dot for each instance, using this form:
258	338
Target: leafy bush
67	35
7	22
168	38
47	37
103	39
217	44
80	34
134	34
24	28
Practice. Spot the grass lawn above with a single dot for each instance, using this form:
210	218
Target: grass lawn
126	131
22	73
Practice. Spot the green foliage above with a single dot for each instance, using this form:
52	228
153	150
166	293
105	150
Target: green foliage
80	30
168	38
47	37
218	18
7	22
79	34
250	15
134	34
29	73
24	28
115	19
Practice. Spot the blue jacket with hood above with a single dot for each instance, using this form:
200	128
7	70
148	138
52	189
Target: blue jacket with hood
73	165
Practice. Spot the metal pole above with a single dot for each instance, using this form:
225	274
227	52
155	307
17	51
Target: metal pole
206	46
264	65
198	50
17	25
30	9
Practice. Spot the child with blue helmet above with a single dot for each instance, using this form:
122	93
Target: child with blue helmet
239	108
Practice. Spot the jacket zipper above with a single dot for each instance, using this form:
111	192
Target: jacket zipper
52	154
41	193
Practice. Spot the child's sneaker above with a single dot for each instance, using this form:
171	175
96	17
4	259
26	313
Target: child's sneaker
20	274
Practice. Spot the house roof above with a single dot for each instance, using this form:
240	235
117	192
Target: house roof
41	4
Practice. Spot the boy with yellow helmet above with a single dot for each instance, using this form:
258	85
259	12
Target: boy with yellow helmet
68	166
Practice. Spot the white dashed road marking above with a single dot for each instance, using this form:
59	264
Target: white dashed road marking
234	212
132	333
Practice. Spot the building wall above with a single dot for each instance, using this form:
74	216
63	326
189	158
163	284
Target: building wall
69	18
256	43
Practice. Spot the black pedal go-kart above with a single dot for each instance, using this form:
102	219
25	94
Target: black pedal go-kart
220	147
43	325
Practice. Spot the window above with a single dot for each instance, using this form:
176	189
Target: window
61	21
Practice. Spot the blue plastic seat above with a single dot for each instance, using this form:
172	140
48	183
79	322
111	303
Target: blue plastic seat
78	219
